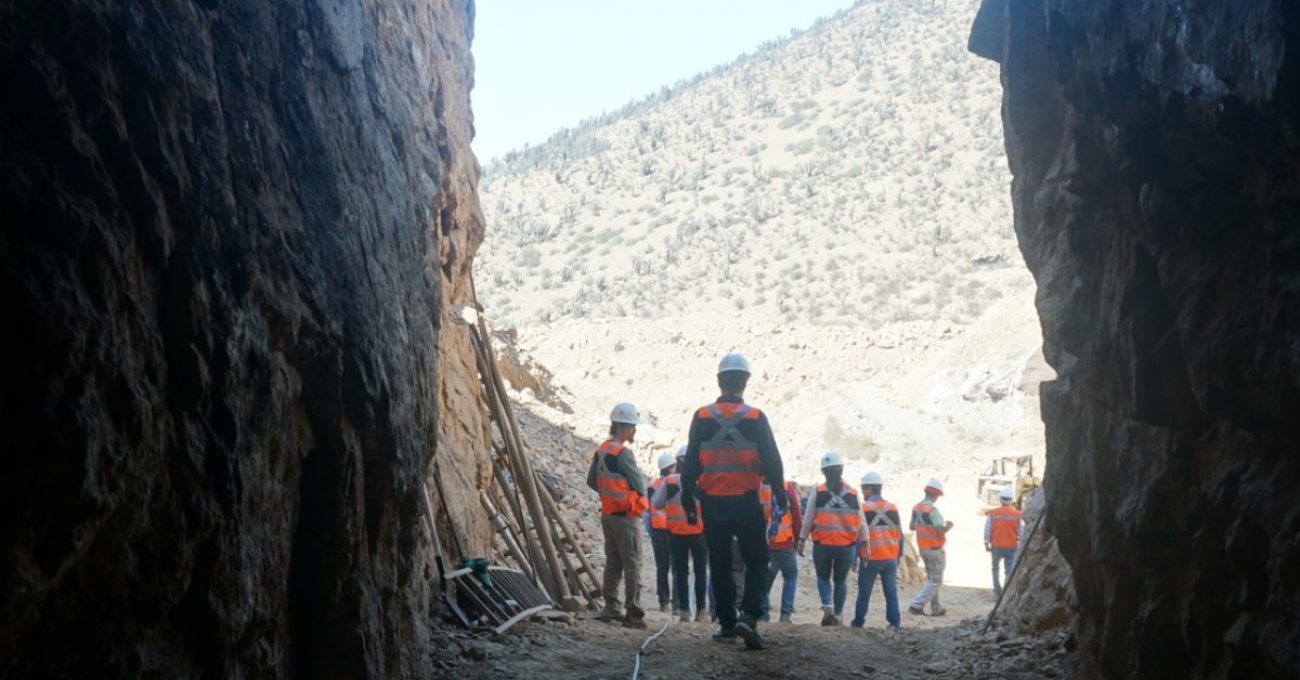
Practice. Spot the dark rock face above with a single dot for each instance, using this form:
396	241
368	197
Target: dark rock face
1157	198
220	276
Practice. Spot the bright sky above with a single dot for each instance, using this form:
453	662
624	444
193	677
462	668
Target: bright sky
544	64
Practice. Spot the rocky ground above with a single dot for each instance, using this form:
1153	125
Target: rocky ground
581	649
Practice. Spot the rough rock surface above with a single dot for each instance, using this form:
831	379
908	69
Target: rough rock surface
230	229
1040	596
1154	150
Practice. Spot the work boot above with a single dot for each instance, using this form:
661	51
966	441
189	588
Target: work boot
828	616
939	612
635	613
629	622
608	615
685	617
747	629
663	606
785	618
713	617
916	610
725	635
699	616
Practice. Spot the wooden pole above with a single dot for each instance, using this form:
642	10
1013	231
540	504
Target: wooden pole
524	475
572	540
503	530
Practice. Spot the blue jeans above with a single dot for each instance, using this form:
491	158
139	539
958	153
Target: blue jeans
1008	557
888	572
832	563
785	563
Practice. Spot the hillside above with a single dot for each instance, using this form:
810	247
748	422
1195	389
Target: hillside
836	207
851	174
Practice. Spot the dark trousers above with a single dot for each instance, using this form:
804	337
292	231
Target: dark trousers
690	552
750	534
659	543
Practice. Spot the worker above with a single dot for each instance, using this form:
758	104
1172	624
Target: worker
931	534
1002	537
729	453
615	475
657	529
833	519
782	527
879	553
687	548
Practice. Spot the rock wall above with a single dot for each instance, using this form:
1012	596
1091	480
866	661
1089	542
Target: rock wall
1154	152
232	233
1040	596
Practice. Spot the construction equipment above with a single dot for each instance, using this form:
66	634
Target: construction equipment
1014	473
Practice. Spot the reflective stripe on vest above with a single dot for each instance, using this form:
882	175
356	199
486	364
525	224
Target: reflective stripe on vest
882	534
675	513
838	516
728	462
1002	533
615	493
658	518
928	536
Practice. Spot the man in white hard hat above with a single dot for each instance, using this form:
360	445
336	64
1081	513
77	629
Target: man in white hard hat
688	549
834	521
931	535
615	476
1002	536
657	528
879	553
730	453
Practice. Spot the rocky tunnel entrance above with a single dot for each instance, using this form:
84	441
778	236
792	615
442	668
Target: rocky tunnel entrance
233	234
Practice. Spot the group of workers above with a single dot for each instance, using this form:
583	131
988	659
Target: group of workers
721	507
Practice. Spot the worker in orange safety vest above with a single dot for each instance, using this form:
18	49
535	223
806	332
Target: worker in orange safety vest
931	535
656	522
833	520
879	553
616	477
730	453
1002	536
688	548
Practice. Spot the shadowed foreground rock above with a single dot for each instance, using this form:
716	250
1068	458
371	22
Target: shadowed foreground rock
227	226
1157	199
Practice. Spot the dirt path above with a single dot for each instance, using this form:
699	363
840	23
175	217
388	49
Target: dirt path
926	647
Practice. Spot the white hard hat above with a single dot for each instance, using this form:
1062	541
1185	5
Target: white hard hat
624	413
831	459
666	459
873	478
1007	495
733	362
681	453
935	484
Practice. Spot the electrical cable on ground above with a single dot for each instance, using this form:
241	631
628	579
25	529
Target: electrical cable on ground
636	666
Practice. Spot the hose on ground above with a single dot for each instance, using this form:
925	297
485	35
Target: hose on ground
636	666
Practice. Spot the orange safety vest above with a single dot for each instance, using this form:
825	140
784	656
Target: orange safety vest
1002	533
617	497
658	518
729	462
838	517
882	534
928	536
784	530
676	513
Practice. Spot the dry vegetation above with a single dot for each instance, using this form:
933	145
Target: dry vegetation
848	174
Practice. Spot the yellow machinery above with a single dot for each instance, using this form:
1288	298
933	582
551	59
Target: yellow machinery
1013	472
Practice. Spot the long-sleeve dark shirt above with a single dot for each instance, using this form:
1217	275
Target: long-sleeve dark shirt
757	431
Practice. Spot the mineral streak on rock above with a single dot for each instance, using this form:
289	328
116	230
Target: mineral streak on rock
233	231
1153	145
